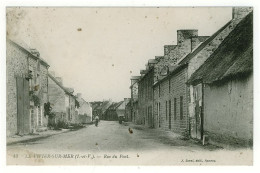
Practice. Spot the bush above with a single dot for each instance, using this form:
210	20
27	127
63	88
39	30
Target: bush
61	125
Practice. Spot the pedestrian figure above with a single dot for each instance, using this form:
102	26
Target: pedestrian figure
96	120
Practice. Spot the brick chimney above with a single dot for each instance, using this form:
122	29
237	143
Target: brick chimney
143	72
241	12
185	38
35	52
59	79
134	79
168	48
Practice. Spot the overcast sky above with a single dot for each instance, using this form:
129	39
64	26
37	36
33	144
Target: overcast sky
97	50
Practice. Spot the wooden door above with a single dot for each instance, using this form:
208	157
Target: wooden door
197	120
170	115
23	116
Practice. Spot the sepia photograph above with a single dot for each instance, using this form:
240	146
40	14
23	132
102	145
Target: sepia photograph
129	86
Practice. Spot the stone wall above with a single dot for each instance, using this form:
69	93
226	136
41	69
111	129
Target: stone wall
165	94
16	65
228	112
145	99
56	96
73	118
187	40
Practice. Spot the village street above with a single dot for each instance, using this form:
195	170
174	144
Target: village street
112	137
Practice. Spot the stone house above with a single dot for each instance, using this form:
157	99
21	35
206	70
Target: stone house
84	112
94	106
27	89
145	97
120	109
111	114
128	112
131	110
101	109
222	90
157	69
174	105
61	99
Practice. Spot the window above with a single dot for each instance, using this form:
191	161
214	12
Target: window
181	107
159	90
175	106
166	109
32	117
169	85
39	115
159	114
170	114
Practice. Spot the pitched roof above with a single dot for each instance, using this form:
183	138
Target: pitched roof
202	45
62	87
27	50
233	58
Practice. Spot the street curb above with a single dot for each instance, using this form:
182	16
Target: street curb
35	138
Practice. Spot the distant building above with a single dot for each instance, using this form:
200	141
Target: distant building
111	114
131	110
101	109
84	112
145	96
61	99
120	109
27	82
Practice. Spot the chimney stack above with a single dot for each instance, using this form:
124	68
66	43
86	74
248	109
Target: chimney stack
35	52
168	49
185	38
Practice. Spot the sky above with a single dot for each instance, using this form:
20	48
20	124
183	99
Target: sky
97	50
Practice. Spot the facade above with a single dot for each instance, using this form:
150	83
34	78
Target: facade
156	70
170	98
173	102
145	97
61	99
223	97
84	112
130	109
128	112
27	90
120	108
178	107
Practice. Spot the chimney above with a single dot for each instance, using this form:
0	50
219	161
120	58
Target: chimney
35	52
52	73
134	79
147	66
126	100
143	72
168	49
79	95
59	79
185	38
240	12
158	58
